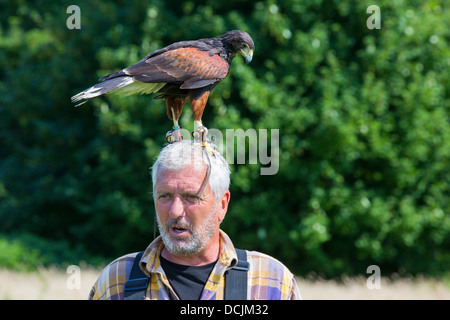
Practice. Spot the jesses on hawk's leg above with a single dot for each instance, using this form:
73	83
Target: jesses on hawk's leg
174	107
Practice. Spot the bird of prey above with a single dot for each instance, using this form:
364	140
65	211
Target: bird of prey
181	71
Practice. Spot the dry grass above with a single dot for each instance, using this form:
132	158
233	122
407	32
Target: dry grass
356	289
51	284
46	284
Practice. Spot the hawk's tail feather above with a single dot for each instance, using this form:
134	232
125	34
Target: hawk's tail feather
101	88
125	84
138	87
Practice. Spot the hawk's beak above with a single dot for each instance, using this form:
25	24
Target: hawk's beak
247	53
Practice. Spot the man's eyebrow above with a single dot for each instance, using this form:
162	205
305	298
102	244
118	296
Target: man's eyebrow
190	192
162	190
185	192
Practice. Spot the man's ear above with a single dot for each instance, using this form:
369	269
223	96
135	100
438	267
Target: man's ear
222	206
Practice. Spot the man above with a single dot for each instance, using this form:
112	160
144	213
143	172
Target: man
189	259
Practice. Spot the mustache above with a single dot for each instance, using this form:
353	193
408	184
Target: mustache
179	224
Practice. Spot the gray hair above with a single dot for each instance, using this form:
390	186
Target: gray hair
178	155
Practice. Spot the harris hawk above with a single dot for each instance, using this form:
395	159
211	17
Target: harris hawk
185	70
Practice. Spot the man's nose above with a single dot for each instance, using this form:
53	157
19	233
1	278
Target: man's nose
177	208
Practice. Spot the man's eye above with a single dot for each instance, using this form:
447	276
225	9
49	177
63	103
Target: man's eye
193	197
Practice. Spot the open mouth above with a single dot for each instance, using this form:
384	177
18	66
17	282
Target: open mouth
178	230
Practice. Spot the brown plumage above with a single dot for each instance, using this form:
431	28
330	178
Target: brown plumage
181	71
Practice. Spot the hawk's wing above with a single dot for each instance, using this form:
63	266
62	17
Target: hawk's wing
193	67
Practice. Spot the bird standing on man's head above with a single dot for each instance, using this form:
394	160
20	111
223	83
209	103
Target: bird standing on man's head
181	71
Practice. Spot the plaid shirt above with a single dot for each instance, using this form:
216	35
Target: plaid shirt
268	279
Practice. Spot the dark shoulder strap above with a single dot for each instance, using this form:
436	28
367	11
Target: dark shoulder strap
137	283
236	278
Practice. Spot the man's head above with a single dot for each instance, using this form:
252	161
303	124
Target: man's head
189	225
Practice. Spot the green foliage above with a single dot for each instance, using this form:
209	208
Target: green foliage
363	117
27	252
14	255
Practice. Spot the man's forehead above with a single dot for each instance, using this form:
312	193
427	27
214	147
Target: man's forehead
183	182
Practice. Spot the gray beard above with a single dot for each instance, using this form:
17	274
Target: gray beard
199	238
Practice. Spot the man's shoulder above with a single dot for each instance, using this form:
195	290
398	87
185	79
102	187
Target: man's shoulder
120	266
113	277
126	258
270	279
262	261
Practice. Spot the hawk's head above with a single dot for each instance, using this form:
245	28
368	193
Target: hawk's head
240	42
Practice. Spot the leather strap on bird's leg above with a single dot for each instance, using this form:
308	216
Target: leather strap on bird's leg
208	173
203	138
175	120
154	226
199	135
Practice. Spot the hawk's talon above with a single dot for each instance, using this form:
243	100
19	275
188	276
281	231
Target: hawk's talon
210	149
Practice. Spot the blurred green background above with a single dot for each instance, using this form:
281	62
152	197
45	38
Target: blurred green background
363	117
